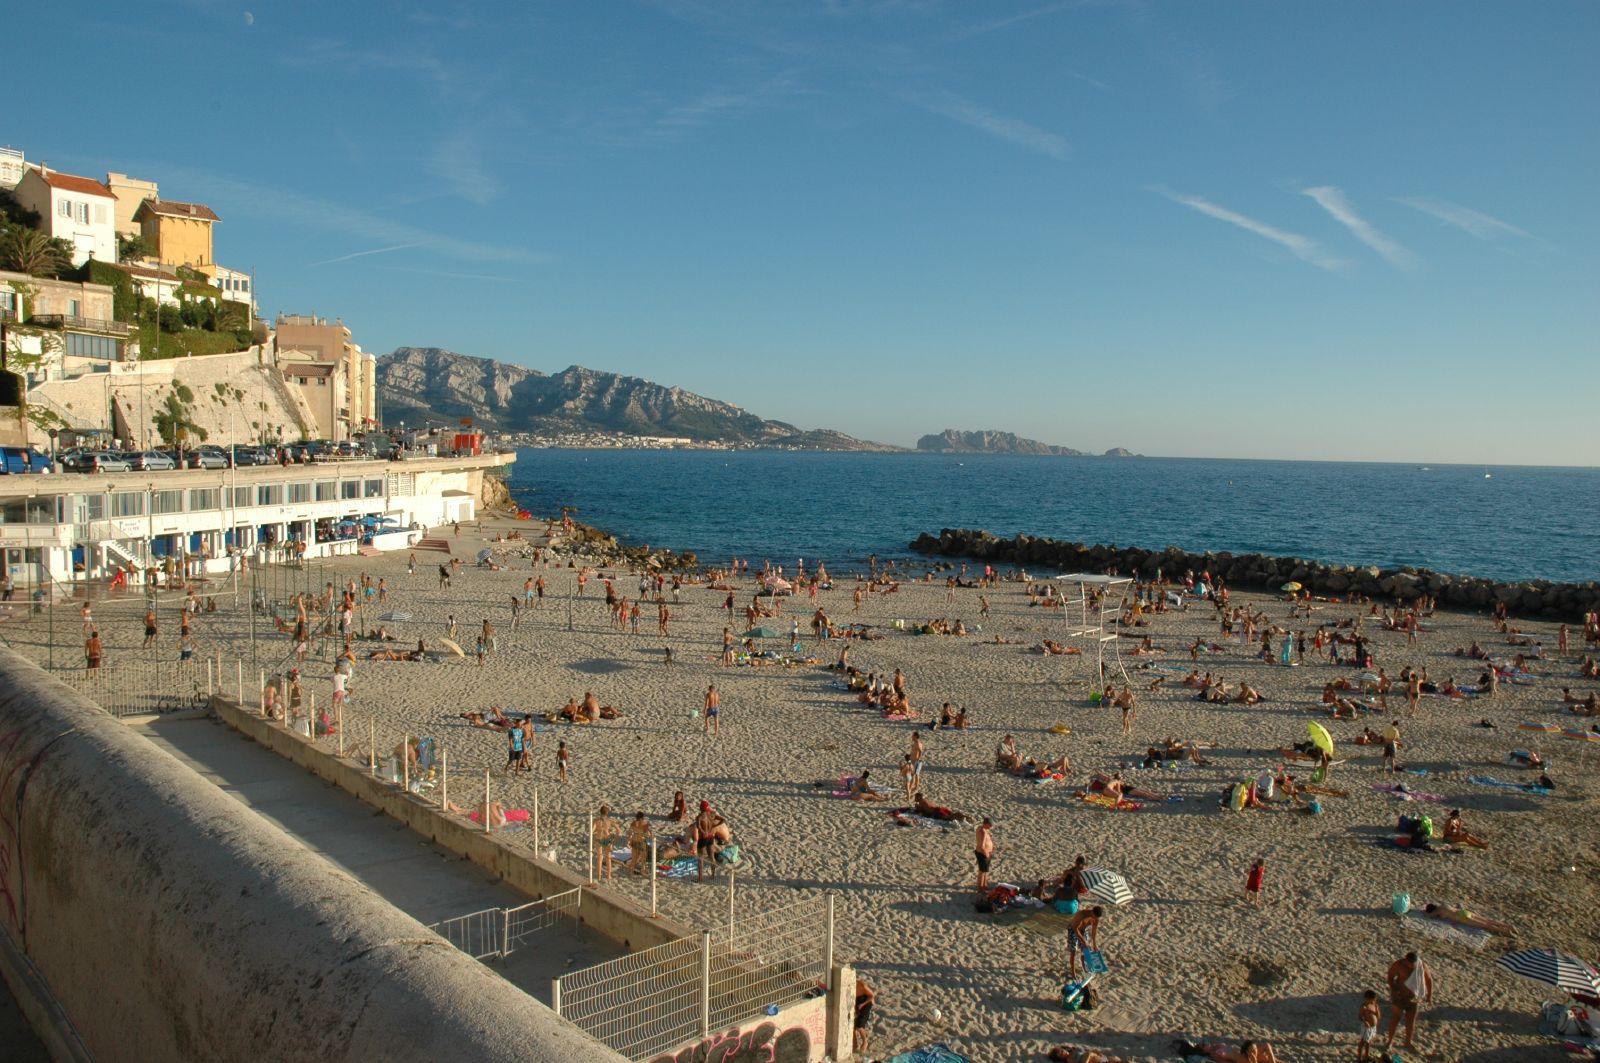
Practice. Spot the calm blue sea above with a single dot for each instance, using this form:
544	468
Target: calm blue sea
1521	523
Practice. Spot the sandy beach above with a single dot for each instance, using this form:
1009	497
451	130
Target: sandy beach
1188	957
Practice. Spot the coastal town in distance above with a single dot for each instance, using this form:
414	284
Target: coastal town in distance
848	530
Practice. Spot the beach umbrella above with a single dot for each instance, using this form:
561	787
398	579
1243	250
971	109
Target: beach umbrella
1107	885
762	633
453	648
1320	737
1291	587
1559	969
485	554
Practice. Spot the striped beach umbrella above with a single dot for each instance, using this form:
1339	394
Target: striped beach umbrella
1107	885
1559	969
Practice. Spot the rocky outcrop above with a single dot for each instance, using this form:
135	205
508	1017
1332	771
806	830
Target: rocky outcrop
954	441
1565	601
1121	452
494	494
429	383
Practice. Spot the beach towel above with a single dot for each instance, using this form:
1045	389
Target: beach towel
934	1053
1533	725
682	867
1469	936
911	819
1524	787
1109	802
513	815
1046	924
1406	794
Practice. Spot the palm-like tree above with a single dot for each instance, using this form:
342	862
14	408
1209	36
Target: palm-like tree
32	252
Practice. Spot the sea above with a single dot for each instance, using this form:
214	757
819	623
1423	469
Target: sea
1498	522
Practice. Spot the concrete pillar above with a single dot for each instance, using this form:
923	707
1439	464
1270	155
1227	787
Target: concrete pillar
841	1021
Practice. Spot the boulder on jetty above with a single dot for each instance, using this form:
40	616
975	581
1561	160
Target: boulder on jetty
1565	601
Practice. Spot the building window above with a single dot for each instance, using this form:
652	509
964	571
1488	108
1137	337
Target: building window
127	504
201	498
373	488
8	302
300	491
269	494
83	213
89	507
322	381
82	346
244	496
64	208
99	213
350	489
327	490
166	502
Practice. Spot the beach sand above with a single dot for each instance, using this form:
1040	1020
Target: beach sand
1188	957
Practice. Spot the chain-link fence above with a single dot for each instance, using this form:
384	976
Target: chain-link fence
652	1001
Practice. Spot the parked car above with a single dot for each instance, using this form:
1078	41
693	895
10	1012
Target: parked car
207	457
84	459
17	461
151	461
243	455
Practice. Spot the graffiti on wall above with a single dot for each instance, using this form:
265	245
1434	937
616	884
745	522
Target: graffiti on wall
760	1044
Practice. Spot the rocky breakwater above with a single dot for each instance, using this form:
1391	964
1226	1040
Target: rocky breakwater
587	545
1565	601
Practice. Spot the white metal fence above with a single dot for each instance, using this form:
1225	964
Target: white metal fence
495	933
650	1002
140	687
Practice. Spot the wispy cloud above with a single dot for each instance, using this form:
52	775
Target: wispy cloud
458	160
1001	127
1302	247
1333	201
362	254
290	207
1476	222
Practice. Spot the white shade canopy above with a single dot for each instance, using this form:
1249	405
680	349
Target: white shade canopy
1095	579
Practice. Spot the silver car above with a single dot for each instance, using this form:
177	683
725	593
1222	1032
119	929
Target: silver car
151	461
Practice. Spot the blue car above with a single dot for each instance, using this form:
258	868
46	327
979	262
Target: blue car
18	461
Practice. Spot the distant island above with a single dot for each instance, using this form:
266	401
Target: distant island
954	441
429	385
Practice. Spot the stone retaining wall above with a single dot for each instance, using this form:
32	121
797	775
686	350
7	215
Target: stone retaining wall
1563	601
155	918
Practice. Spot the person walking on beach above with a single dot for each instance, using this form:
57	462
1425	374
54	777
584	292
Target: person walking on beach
915	756
983	850
604	837
1125	701
1413	691
1367	1019
707	827
562	757
538	592
713	710
727	647
1255	881
149	628
1410	986
1391	745
516	750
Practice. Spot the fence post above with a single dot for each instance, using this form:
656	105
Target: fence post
372	746
731	873
827	948
535	821
208	677
705	984
261	693
311	720
654	874
405	762
588	845
555	996
239	670
505	932
486	827
338	728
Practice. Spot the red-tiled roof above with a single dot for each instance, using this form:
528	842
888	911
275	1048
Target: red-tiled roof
144	271
306	369
70	183
173	208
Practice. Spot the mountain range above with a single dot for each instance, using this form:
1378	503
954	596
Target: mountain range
954	441
420	384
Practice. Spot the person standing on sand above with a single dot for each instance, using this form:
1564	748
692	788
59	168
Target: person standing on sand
562	757
1367	1019
149	628
713	712
1413	691
638	843
727	647
707	826
1255	882
1391	745
604	837
983	849
1410	985
915	756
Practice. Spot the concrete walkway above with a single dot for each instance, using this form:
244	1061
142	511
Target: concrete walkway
414	875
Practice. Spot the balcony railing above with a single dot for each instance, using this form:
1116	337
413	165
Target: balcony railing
82	324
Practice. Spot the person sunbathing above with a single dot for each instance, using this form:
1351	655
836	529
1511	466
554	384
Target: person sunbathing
1461	917
862	790
1193	680
680	808
1247	695
1069	1054
1368	737
1062	765
1456	831
1051	648
1586	706
923	807
1114	786
1589	668
1247	1052
1006	757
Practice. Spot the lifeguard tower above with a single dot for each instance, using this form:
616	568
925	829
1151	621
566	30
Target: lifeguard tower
1087	622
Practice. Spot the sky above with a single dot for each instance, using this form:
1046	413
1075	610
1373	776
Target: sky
1359	231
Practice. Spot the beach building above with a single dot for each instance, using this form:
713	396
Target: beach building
178	234
79	210
13	164
57	328
235	285
67	528
130	193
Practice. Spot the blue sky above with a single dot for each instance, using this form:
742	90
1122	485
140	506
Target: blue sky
1355	230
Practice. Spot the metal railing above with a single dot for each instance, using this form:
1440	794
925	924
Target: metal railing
143	687
495	933
90	324
653	1001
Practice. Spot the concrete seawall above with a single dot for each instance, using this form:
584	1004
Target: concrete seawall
157	919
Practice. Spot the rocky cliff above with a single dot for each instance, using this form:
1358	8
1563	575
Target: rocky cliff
430	383
953	441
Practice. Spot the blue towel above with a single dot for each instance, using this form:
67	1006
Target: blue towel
934	1053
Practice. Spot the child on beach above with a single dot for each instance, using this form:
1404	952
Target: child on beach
562	756
1255	881
1368	1019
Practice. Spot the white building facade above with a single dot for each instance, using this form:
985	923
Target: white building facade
79	210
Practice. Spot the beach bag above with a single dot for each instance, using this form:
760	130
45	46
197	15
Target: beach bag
1094	961
729	854
1425	826
1066	906
1072	996
1401	903
1315	807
